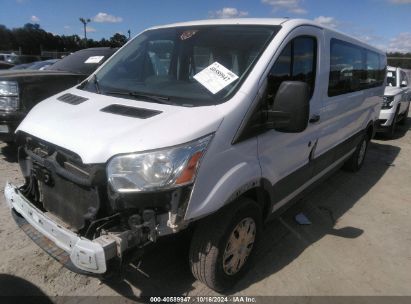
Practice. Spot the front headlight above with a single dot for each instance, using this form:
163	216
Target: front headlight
9	96
159	169
386	104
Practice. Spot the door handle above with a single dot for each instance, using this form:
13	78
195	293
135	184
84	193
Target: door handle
315	118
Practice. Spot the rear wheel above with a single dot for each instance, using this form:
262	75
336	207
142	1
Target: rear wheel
223	244
393	127
355	162
404	118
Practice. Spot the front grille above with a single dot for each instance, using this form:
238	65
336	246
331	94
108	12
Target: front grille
73	204
57	181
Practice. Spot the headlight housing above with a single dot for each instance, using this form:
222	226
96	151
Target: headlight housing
156	170
386	104
9	96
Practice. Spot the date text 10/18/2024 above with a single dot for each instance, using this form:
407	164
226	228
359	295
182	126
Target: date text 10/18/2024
203	299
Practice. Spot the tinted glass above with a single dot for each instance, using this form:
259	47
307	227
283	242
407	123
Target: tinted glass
297	62
373	67
391	78
403	78
347	68
163	62
76	62
353	68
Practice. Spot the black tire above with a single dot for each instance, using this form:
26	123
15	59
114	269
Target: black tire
355	162
393	127
404	118
210	240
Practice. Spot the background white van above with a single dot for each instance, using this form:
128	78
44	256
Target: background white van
397	98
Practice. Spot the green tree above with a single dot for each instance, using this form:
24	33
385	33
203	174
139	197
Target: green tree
118	40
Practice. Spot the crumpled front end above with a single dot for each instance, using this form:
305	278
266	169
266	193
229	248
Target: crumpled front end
71	204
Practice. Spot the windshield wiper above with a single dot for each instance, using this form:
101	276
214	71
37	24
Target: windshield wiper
158	99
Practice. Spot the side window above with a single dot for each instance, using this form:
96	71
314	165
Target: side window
297	62
373	70
354	68
403	78
347	68
382	69
391	78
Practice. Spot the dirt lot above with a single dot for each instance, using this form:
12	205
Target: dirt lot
359	242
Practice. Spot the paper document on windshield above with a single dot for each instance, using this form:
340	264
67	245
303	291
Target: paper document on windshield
94	59
215	77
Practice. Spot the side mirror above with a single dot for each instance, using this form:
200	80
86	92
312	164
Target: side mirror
291	107
404	84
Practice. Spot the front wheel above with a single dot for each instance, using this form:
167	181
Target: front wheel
223	244
355	162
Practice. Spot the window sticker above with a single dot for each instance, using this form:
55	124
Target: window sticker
94	59
389	74
188	34
215	77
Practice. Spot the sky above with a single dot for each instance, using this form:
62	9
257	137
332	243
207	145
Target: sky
382	23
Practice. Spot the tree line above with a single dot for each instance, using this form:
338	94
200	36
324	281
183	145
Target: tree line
402	60
31	39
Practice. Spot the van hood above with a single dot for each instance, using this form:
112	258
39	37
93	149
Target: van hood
392	91
97	135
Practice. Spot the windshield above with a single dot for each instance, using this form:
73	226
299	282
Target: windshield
391	79
189	66
83	62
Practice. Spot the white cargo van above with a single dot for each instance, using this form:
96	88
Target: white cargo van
397	97
213	126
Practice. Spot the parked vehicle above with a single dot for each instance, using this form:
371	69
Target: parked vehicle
23	66
9	60
397	97
7	57
214	126
22	89
6	61
37	65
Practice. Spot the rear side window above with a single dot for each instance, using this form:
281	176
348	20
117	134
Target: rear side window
353	68
297	62
403	78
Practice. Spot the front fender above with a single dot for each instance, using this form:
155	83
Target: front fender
223	177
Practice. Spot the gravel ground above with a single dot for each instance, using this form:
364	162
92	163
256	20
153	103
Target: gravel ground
359	242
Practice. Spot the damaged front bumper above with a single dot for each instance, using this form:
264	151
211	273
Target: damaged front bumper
90	256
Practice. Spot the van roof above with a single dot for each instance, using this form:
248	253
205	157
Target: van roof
263	21
248	21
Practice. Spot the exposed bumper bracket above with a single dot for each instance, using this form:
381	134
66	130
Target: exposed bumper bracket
86	255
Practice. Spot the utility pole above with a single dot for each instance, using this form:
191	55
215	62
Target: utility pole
129	34
85	21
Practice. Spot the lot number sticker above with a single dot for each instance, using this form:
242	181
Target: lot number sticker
94	59
215	77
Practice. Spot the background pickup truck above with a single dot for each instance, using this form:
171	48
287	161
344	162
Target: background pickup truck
21	90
